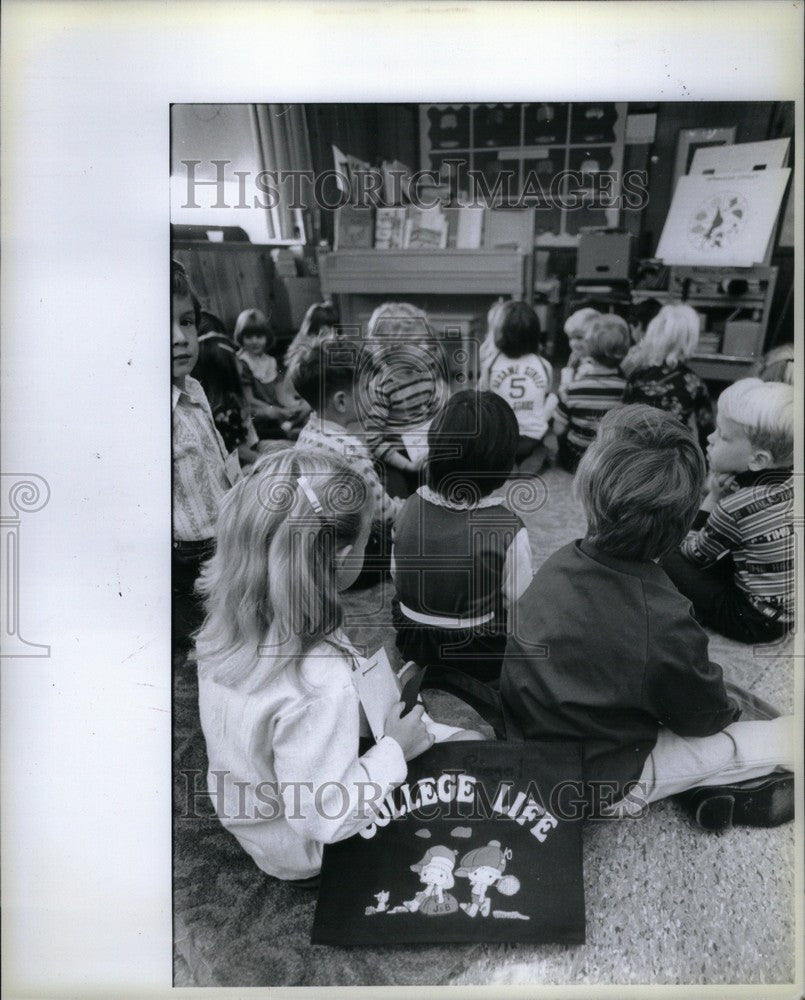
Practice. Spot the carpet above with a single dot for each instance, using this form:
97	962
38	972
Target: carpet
666	902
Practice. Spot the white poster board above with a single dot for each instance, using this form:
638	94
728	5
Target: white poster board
722	220
743	158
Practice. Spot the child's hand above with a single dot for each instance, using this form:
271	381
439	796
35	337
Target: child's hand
397	460
551	402
719	484
409	731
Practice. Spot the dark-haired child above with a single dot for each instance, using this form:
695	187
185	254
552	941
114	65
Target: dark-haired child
325	378
519	374
642	314
597	389
260	375
460	556
318	323
218	372
737	565
604	649
203	471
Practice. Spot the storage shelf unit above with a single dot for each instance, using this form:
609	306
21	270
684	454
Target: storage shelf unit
709	290
507	143
447	272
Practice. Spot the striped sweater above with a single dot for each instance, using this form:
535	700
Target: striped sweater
754	524
406	392
584	402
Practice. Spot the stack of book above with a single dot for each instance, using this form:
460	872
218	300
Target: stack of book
409	228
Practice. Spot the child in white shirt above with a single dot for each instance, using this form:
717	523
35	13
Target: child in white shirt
280	715
519	374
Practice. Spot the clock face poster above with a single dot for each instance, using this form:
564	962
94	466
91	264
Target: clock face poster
722	220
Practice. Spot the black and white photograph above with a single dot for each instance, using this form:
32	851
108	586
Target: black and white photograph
427	612
446	419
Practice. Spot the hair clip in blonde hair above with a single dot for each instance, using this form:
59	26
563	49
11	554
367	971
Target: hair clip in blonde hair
304	485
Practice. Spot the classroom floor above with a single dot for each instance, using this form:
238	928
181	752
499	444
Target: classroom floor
666	903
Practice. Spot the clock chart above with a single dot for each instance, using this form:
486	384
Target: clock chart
718	221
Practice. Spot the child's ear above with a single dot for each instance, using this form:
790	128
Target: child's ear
761	460
340	401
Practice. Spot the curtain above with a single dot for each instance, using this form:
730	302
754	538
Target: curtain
281	135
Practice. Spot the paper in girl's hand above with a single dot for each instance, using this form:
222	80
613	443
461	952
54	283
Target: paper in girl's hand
377	687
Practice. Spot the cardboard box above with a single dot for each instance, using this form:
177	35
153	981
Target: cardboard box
742	338
604	255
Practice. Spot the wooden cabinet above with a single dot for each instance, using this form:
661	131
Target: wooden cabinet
443	272
229	277
454	287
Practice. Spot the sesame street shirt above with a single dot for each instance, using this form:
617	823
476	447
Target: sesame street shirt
524	383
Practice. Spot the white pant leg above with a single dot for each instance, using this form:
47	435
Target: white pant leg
742	751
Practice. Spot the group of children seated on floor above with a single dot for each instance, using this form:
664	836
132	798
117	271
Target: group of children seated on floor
269	552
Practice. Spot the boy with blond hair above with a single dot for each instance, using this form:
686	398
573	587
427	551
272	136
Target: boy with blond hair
736	565
596	389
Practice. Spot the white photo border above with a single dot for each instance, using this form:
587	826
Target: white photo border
86	91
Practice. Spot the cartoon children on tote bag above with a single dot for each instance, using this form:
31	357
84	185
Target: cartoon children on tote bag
436	873
483	867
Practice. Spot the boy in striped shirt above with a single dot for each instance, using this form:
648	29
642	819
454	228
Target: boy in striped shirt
736	565
596	390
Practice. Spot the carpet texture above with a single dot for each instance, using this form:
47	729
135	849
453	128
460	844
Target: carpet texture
666	902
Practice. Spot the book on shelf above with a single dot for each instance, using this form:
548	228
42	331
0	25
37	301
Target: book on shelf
470	228
396	182
451	218
389	228
425	229
354	228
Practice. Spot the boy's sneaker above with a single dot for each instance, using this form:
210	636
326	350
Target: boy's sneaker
766	801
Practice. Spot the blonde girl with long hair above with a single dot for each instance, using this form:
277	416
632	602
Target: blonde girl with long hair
657	371
279	712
